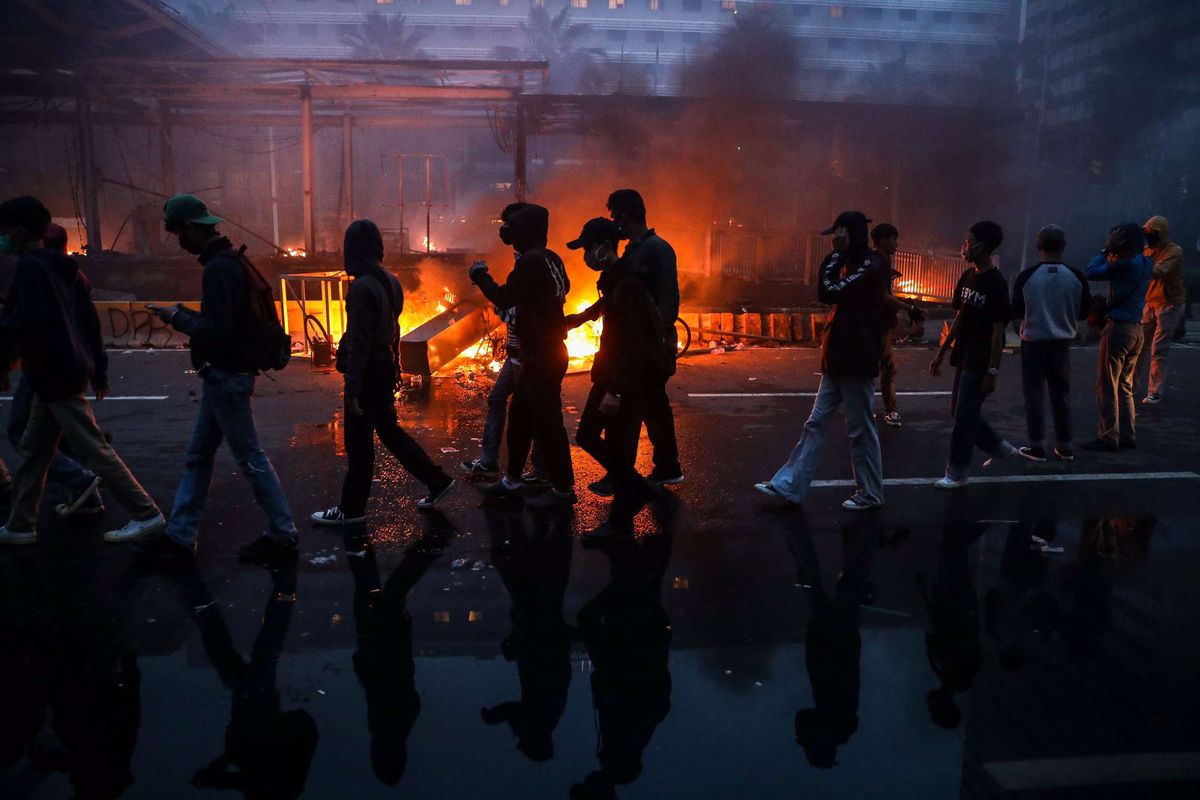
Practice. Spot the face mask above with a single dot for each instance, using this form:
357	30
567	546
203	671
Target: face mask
1152	238
6	244
971	252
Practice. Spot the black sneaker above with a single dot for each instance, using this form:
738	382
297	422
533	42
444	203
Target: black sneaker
553	499
1035	454
1064	454
478	469
664	478
535	480
335	518
435	496
1100	446
602	487
264	549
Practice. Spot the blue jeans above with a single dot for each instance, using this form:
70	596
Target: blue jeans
64	470
493	428
855	395
226	413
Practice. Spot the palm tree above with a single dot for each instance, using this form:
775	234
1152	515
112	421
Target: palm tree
383	36
557	41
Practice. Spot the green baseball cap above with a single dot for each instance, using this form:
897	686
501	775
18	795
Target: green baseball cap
187	208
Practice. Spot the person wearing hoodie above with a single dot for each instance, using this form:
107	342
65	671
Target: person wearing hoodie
368	356
81	482
49	321
1127	270
537	288
977	336
218	336
1165	301
854	279
630	364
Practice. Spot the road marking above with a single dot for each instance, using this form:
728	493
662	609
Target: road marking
118	397
1051	478
1121	768
802	394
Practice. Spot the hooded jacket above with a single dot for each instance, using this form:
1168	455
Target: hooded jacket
537	287
50	321
367	352
855	282
631	357
1166	284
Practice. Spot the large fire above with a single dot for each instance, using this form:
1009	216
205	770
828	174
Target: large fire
584	341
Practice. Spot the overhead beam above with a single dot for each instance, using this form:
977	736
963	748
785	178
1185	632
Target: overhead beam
333	64
182	119
289	92
125	31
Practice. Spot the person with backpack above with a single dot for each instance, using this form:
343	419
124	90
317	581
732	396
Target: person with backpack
368	356
232	339
49	321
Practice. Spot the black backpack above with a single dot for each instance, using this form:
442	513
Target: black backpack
268	345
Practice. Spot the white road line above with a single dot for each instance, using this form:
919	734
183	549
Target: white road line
117	397
1049	478
802	394
1120	768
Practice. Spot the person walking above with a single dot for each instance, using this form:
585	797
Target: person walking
977	336
1128	271
650	256
854	280
537	288
221	335
886	240
1049	298
1166	298
368	356
50	322
488	463
629	365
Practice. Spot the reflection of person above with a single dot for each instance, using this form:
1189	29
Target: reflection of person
629	365
833	645
50	318
977	336
1128	273
854	280
628	636
369	358
952	643
268	751
383	659
534	566
218	335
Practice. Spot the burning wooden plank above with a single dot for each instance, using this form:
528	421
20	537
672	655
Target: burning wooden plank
433	344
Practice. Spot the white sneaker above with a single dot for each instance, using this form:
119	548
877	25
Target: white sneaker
1007	451
335	518
950	483
17	537
137	529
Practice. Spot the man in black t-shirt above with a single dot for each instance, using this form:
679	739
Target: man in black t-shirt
977	336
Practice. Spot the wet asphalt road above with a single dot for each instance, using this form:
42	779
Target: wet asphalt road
740	649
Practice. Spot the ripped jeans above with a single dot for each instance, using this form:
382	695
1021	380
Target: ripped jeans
226	414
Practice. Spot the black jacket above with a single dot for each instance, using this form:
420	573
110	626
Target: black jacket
49	321
855	282
367	353
537	287
654	259
225	323
631	356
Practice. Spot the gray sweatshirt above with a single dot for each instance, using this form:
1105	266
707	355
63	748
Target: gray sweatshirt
1050	299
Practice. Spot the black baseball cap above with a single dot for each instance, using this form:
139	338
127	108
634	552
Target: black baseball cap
847	219
596	231
1051	235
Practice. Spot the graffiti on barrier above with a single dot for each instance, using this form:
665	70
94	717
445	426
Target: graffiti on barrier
131	325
